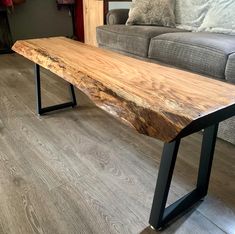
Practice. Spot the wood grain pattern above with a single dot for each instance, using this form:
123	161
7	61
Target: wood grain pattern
157	101
81	171
93	17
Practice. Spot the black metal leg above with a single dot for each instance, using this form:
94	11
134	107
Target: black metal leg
159	214
44	110
207	153
163	183
73	96
38	89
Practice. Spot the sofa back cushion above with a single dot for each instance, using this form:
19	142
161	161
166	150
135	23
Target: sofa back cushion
152	12
191	13
220	18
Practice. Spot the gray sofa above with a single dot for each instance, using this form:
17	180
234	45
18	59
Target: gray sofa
205	53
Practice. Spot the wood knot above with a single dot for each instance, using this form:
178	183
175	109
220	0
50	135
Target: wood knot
18	181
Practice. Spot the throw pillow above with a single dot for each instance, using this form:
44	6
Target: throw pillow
152	12
191	13
220	18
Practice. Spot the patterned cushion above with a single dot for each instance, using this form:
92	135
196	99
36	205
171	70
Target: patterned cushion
152	12
230	68
130	39
191	13
205	53
220	18
227	130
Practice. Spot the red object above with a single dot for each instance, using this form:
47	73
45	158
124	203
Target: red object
7	3
79	21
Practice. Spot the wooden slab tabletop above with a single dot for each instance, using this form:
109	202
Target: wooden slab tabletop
156	100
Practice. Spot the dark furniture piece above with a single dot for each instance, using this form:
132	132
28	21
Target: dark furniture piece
5	33
209	54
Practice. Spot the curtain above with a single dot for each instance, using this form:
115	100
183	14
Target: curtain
6	3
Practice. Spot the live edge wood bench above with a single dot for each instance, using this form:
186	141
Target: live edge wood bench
158	101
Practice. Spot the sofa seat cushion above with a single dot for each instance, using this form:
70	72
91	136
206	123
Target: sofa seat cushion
205	53
230	68
130	39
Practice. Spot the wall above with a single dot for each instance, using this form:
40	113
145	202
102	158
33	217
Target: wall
120	5
39	18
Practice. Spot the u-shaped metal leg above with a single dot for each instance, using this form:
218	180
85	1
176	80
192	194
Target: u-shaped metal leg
160	215
39	108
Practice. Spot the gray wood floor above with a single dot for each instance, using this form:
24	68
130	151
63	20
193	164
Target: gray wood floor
81	171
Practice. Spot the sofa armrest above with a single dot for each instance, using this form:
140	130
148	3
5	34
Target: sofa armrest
117	16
